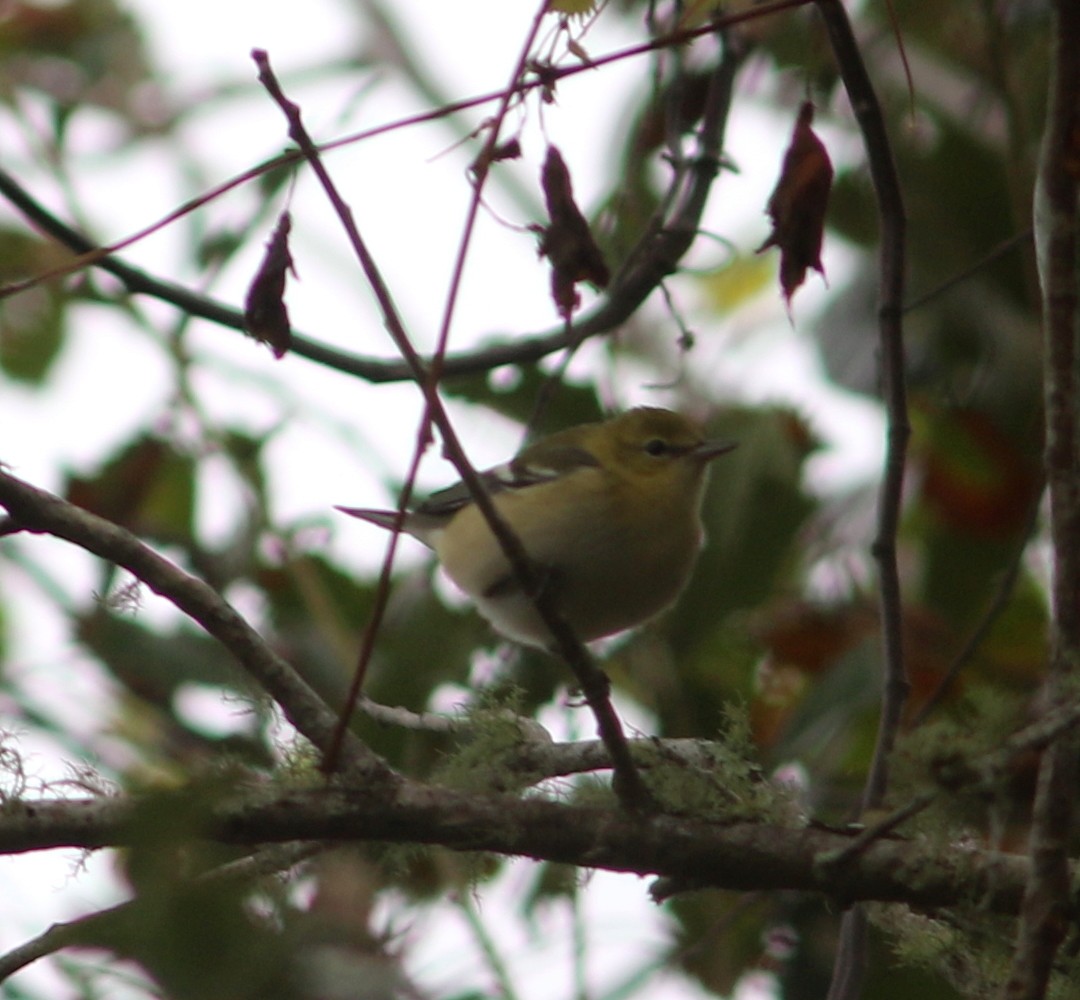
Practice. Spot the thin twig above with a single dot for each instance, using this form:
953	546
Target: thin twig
851	956
379	605
553	74
1047	906
1061	720
627	291
893	223
996	252
980	775
430	387
594	684
881	828
94	254
997	604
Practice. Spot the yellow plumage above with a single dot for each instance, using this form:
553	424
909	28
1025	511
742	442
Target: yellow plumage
609	513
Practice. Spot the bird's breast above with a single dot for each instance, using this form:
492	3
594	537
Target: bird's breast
606	571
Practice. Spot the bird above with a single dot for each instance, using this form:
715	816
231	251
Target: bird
609	514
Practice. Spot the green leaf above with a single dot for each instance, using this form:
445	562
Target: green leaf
754	508
196	937
732	285
32	322
31	334
79	52
155	663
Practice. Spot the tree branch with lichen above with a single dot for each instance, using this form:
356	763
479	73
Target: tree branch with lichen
1048	898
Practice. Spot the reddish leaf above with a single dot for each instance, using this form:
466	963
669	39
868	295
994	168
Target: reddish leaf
806	642
797	205
148	487
977	480
567	242
265	316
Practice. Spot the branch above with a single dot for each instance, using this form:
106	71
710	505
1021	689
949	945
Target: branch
426	376
38	511
630	287
664	243
739	856
1047	898
655	256
892	219
594	683
851	957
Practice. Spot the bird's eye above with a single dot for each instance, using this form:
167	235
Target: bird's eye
656	446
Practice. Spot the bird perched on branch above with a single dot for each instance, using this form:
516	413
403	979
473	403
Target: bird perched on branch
608	513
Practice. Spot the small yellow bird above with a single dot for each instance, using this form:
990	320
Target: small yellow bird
610	513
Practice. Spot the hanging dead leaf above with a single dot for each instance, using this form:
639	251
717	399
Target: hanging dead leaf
797	204
546	75
265	316
567	241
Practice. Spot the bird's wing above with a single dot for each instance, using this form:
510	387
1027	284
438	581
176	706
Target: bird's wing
531	467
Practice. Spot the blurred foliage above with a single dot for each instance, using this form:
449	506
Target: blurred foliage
77	53
148	488
31	324
522	394
194	935
780	617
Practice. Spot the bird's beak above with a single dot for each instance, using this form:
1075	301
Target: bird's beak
708	450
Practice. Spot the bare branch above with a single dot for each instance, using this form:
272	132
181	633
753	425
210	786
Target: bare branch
594	683
892	219
38	511
851	959
655	256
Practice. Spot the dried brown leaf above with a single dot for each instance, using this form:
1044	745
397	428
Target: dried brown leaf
566	241
266	317
798	203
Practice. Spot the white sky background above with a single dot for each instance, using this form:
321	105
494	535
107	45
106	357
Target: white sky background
409	202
